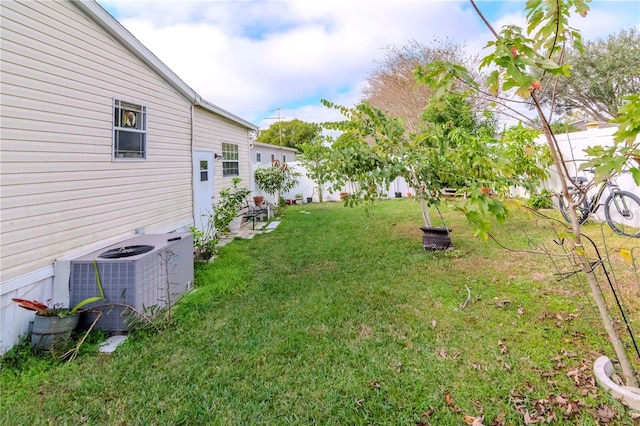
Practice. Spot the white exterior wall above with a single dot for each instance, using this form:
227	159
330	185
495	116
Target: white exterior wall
62	195
210	132
266	151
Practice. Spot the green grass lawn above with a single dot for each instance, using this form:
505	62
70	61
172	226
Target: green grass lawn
339	317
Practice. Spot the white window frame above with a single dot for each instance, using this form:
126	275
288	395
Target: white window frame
204	170
129	120
230	160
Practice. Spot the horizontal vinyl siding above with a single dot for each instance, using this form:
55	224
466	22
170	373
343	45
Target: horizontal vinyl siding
210	132
60	188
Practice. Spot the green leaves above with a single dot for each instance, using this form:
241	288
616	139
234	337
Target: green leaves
457	150
228	204
292	133
93	298
277	178
625	151
628	122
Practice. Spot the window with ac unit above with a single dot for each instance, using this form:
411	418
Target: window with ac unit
129	131
230	160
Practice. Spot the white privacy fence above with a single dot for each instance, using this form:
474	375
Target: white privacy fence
572	147
308	188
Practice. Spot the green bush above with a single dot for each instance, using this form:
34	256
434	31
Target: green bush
541	200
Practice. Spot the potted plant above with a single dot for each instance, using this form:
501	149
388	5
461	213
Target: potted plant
315	158
276	179
452	149
52	324
258	200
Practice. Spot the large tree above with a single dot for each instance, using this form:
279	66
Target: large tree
392	87
607	71
293	133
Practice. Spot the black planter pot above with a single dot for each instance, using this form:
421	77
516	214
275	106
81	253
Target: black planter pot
309	199
398	194
434	238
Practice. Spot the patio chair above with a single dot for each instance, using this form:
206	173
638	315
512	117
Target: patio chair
253	212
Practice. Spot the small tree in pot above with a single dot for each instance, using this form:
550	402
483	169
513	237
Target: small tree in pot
315	159
277	179
451	151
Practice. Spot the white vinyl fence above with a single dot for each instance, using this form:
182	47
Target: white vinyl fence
572	147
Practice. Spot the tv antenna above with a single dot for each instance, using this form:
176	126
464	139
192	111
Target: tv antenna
279	118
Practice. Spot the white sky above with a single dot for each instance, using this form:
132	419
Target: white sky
251	57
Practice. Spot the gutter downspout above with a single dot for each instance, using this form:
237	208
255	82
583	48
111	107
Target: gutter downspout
193	165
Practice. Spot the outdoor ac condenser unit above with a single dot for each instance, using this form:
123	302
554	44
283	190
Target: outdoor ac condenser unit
143	271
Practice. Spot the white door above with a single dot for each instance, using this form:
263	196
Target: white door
202	187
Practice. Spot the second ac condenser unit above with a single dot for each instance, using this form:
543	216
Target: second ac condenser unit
141	272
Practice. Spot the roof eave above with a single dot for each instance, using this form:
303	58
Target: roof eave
268	145
115	29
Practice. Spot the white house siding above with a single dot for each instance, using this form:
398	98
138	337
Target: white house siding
60	188
210	132
266	151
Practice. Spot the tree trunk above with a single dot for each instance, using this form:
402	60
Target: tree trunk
625	365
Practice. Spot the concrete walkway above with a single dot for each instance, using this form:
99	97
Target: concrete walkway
247	232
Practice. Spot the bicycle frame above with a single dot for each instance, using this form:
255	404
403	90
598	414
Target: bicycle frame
592	204
621	208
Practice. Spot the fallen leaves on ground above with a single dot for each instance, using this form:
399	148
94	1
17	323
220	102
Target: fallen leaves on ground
558	317
548	409
500	420
474	421
450	401
424	416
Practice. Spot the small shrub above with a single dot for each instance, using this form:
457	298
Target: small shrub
204	242
541	200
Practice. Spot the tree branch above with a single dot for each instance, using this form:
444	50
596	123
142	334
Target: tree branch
473	3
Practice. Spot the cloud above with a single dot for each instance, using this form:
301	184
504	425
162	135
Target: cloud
250	57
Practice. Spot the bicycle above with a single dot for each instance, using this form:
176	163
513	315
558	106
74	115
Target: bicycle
621	208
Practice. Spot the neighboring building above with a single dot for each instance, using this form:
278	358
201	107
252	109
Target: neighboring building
100	140
263	154
584	124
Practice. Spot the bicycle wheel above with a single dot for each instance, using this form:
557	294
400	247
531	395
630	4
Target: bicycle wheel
581	211
622	210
